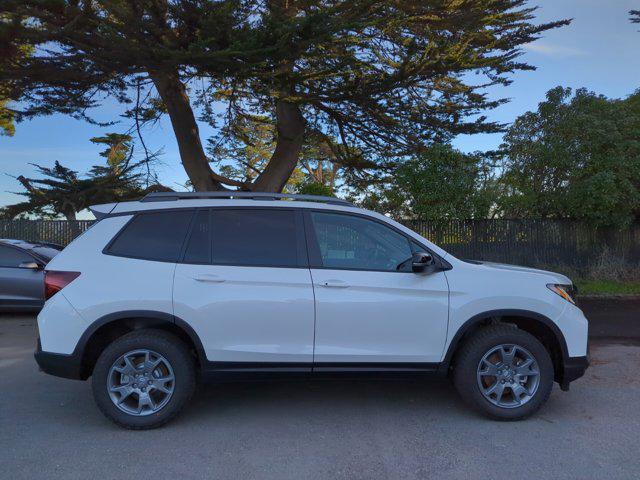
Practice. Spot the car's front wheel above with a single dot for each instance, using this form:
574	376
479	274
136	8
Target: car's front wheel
504	372
143	379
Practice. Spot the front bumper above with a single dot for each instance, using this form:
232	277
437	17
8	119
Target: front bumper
58	364
574	368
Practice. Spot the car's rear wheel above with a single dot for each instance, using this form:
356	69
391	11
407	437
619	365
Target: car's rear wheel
504	372
143	379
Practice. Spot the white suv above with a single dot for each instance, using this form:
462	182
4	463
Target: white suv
181	286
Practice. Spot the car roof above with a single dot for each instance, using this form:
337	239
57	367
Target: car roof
161	200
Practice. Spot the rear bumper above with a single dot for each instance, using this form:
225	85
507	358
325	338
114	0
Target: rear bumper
58	364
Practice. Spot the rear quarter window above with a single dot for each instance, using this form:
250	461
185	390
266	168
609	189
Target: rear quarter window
153	236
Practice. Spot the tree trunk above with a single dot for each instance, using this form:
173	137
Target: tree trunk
290	135
70	215
195	162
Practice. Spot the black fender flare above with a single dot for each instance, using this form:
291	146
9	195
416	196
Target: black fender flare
148	318
481	317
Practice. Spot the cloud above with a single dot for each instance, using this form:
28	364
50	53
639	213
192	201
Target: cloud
553	50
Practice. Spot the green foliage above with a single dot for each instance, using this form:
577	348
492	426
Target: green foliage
441	183
7	126
243	152
61	191
577	156
11	53
607	287
315	188
386	79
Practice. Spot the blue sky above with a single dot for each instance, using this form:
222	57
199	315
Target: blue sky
599	50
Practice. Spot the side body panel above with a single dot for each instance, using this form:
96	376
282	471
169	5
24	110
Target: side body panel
379	317
248	314
107	284
475	289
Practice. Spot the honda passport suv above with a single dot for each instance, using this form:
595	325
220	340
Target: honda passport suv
176	287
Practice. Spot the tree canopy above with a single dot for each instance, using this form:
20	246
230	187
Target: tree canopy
384	79
577	156
62	191
439	184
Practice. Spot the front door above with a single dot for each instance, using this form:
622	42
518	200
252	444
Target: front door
370	307
244	287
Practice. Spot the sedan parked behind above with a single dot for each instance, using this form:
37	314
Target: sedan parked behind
22	274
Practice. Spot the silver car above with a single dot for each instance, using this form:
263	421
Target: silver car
22	274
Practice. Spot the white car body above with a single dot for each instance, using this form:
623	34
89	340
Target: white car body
315	319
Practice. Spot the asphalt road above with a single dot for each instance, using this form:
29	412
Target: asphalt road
50	429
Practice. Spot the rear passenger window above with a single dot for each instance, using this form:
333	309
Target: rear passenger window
244	237
153	236
254	237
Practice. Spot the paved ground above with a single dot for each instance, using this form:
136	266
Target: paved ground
50	428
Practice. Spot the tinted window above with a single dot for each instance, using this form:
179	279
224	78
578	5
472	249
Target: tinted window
12	257
254	237
153	236
199	246
351	242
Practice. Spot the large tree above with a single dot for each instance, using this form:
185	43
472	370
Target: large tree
439	184
577	156
386	79
243	153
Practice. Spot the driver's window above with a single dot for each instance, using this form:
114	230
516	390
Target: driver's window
350	242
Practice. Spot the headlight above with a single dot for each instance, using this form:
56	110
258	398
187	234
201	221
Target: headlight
565	291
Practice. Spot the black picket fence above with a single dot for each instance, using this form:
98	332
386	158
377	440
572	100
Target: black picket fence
562	244
60	232
571	245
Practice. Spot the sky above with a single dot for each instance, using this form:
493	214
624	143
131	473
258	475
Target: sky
599	50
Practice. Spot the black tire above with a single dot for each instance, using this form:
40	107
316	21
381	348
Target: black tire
168	346
468	360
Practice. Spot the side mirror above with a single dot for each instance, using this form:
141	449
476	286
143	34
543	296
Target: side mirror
30	265
421	261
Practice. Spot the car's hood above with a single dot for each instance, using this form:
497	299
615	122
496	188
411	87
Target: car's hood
557	277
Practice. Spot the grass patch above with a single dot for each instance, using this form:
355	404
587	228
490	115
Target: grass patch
610	287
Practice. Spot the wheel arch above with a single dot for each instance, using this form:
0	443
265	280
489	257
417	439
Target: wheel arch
540	326
106	329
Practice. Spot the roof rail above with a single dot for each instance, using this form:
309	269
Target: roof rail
171	196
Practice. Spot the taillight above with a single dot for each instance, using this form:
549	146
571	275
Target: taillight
54	281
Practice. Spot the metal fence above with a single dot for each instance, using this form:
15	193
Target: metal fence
54	231
537	243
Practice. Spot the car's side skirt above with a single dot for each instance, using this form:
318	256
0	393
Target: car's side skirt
241	371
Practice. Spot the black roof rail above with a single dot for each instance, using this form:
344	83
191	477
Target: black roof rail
171	196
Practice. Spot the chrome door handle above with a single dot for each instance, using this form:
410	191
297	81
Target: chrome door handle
335	284
208	278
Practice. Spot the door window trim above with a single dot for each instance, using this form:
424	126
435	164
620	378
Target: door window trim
315	258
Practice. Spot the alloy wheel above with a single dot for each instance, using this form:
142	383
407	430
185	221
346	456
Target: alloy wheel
140	382
508	376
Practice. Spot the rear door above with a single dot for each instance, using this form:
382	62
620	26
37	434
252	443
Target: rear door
19	287
245	288
370	307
